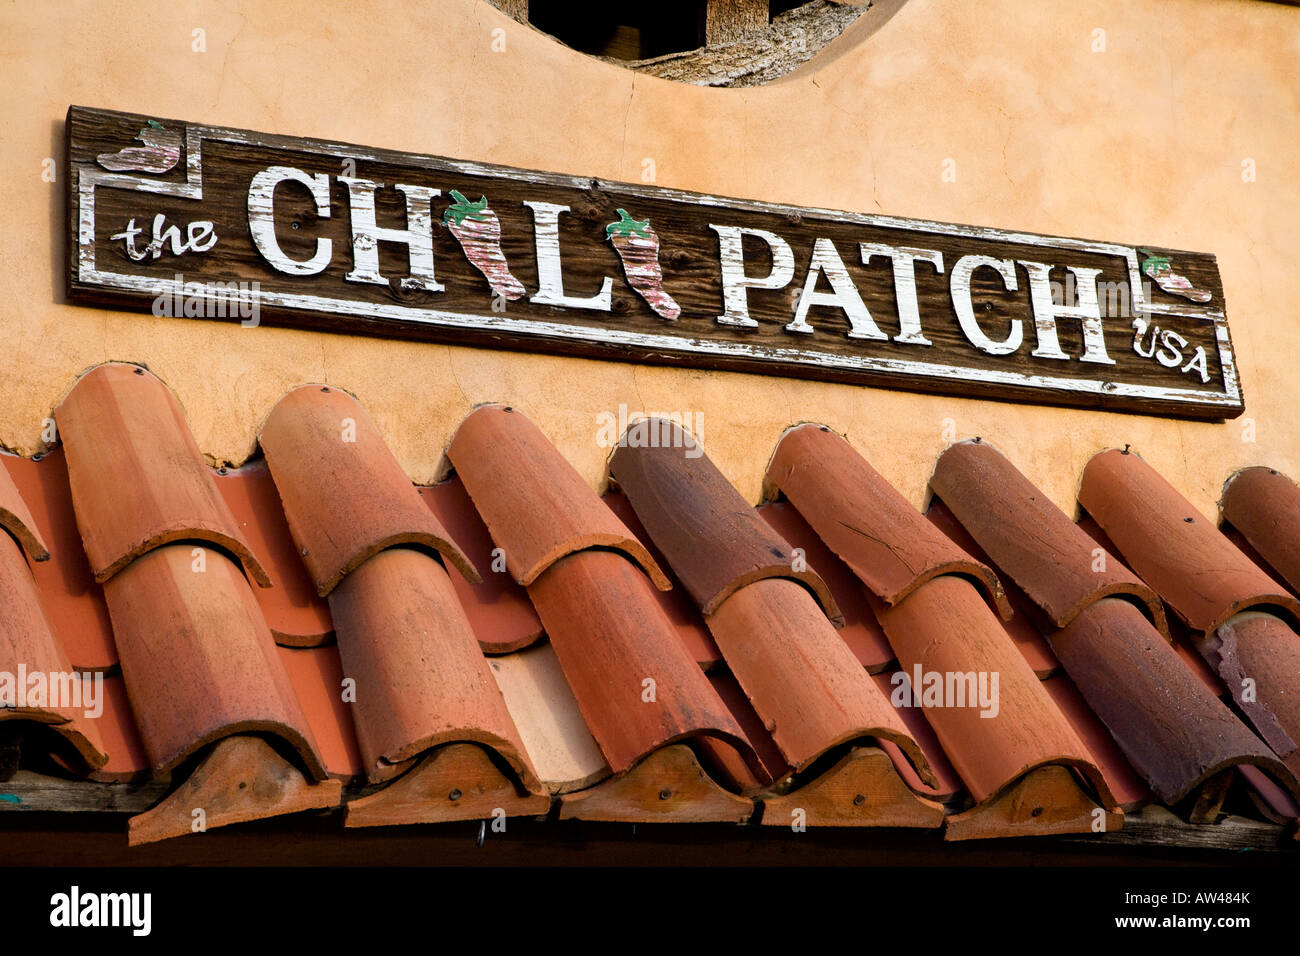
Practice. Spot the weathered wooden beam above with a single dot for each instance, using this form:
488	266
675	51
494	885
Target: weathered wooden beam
27	791
726	21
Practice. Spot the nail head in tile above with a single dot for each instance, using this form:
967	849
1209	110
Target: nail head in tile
665	793
859	800
454	795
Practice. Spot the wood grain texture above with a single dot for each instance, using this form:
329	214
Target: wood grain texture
712	538
1046	801
862	790
1029	539
241	779
1264	505
198	659
138	479
668	786
457	781
537	507
420	678
860	516
1176	549
870	329
345	496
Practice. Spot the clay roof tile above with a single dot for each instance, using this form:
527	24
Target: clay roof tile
1178	551
1264	505
862	518
537	507
345	496
138	479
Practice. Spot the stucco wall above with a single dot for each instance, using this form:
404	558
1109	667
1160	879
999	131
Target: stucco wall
1141	143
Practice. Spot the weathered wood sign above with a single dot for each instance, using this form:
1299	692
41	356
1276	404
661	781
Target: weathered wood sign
200	221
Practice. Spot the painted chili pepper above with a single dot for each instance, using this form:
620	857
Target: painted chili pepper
1160	269
638	247
160	152
478	231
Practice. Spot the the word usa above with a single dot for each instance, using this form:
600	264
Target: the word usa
381	242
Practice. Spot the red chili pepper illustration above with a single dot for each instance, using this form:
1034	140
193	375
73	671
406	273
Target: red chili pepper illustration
1160	269
160	152
478	231
638	247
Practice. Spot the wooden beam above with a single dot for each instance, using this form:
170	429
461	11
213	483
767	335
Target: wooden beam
727	21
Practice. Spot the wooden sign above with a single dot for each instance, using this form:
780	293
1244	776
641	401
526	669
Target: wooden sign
199	221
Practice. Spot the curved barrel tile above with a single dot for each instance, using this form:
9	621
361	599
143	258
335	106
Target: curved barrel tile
421	679
803	681
536	506
16	518
861	631
198	659
317	677
37	682
1257	655
138	479
1199	572
1264	505
344	494
638	687
73	601
946	629
1174	732
1028	538
862	518
295	613
497	607
714	540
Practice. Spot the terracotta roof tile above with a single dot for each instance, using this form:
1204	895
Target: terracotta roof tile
295	613
637	686
534	503
1264	505
683	499
421	679
1025	626
1128	788
1175	733
947	786
73	601
127	760
15	517
1176	550
497	607
1257	655
345	496
317	677
946	628
863	519
28	648
1028	538
861	631
198	659
676	603
548	719
801	678
746	778
138	479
